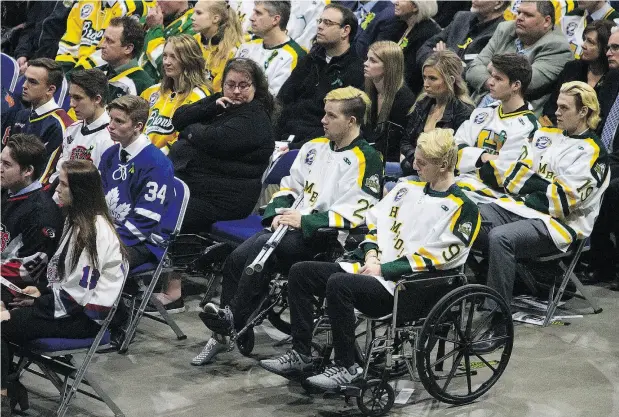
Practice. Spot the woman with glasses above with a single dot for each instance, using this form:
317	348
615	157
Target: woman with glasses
391	101
184	81
591	68
224	147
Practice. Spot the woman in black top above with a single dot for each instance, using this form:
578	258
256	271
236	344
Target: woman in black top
391	101
591	68
224	147
445	103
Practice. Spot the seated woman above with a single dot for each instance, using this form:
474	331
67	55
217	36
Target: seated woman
445	103
410	230
85	275
184	81
391	101
219	33
415	28
591	68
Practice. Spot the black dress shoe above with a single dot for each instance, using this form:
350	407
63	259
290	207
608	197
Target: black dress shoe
615	285
491	340
595	277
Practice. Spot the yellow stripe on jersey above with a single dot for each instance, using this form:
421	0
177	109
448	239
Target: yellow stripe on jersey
477	228
508	115
371	237
319	140
551	130
497	176
432	258
361	158
419	263
556	202
596	151
336	220
293	54
561	230
569	193
455	218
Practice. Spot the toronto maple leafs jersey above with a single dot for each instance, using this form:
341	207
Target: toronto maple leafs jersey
163	104
415	229
491	130
85	142
31	228
559	179
277	61
89	288
338	186
138	192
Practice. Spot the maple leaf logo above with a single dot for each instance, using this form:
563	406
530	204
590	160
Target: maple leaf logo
118	211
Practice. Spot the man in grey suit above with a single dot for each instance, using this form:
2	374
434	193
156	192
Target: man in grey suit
531	34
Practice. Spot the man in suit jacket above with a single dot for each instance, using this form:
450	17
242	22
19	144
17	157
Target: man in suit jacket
531	34
374	17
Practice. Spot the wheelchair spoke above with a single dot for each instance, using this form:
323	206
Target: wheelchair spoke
494	339
469	320
467	369
445	357
484	323
454	368
445	339
485	362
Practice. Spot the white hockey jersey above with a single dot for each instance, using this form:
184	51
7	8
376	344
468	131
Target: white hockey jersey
338	186
303	22
492	131
415	228
559	179
573	25
277	62
84	141
87	288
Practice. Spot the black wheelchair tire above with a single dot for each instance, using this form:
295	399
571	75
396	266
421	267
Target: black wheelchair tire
278	322
246	342
379	391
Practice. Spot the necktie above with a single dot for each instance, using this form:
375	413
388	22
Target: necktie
610	126
588	20
124	155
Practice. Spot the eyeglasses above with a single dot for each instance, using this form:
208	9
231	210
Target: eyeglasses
613	47
241	86
328	22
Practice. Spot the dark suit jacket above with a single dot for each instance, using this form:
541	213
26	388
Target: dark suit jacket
383	13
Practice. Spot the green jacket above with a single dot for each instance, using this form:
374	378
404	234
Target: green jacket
126	79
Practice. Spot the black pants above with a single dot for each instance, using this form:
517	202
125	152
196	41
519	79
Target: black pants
344	292
28	324
243	292
604	255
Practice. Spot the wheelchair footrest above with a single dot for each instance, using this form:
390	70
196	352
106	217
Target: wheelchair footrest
351	390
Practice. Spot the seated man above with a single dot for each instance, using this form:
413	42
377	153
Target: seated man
121	46
468	33
44	118
492	139
331	64
31	221
138	181
274	50
89	137
531	35
556	189
338	177
410	230
574	23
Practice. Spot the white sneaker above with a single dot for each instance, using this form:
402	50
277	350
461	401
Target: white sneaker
288	365
210	308
212	348
335	376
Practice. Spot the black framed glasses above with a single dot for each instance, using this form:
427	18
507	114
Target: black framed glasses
613	47
328	22
233	86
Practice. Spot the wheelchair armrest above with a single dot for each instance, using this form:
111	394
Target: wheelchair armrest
327	233
429	276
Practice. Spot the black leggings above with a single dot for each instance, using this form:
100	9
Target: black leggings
344	292
26	324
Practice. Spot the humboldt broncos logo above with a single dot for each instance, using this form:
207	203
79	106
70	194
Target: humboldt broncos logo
89	34
159	124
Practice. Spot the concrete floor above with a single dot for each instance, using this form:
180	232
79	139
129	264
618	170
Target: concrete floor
559	371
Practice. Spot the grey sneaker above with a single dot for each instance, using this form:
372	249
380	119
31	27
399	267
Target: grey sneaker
335	376
210	308
212	348
288	365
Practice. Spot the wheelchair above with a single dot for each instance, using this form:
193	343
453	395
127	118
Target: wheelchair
437	321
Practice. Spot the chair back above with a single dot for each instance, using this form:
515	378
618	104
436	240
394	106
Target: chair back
10	72
280	168
172	219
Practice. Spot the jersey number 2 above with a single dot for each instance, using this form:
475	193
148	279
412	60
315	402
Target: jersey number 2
154	192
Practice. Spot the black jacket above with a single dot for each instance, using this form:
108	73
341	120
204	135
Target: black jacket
463	26
607	98
45	26
423	31
390	136
222	153
456	112
302	95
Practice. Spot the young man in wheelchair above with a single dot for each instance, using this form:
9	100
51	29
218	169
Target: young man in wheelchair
492	139
418	226
338	177
555	193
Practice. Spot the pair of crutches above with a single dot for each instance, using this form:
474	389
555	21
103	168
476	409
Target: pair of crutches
269	246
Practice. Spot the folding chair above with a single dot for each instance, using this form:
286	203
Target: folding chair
555	296
55	357
10	72
172	220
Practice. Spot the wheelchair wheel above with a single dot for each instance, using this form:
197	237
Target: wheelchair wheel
276	314
376	398
449	366
246	342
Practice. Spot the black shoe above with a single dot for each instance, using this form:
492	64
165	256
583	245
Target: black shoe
176	306
492	339
614	286
595	277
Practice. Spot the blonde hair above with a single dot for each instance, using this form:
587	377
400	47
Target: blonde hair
585	96
354	102
193	67
449	65
439	146
392	57
230	30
